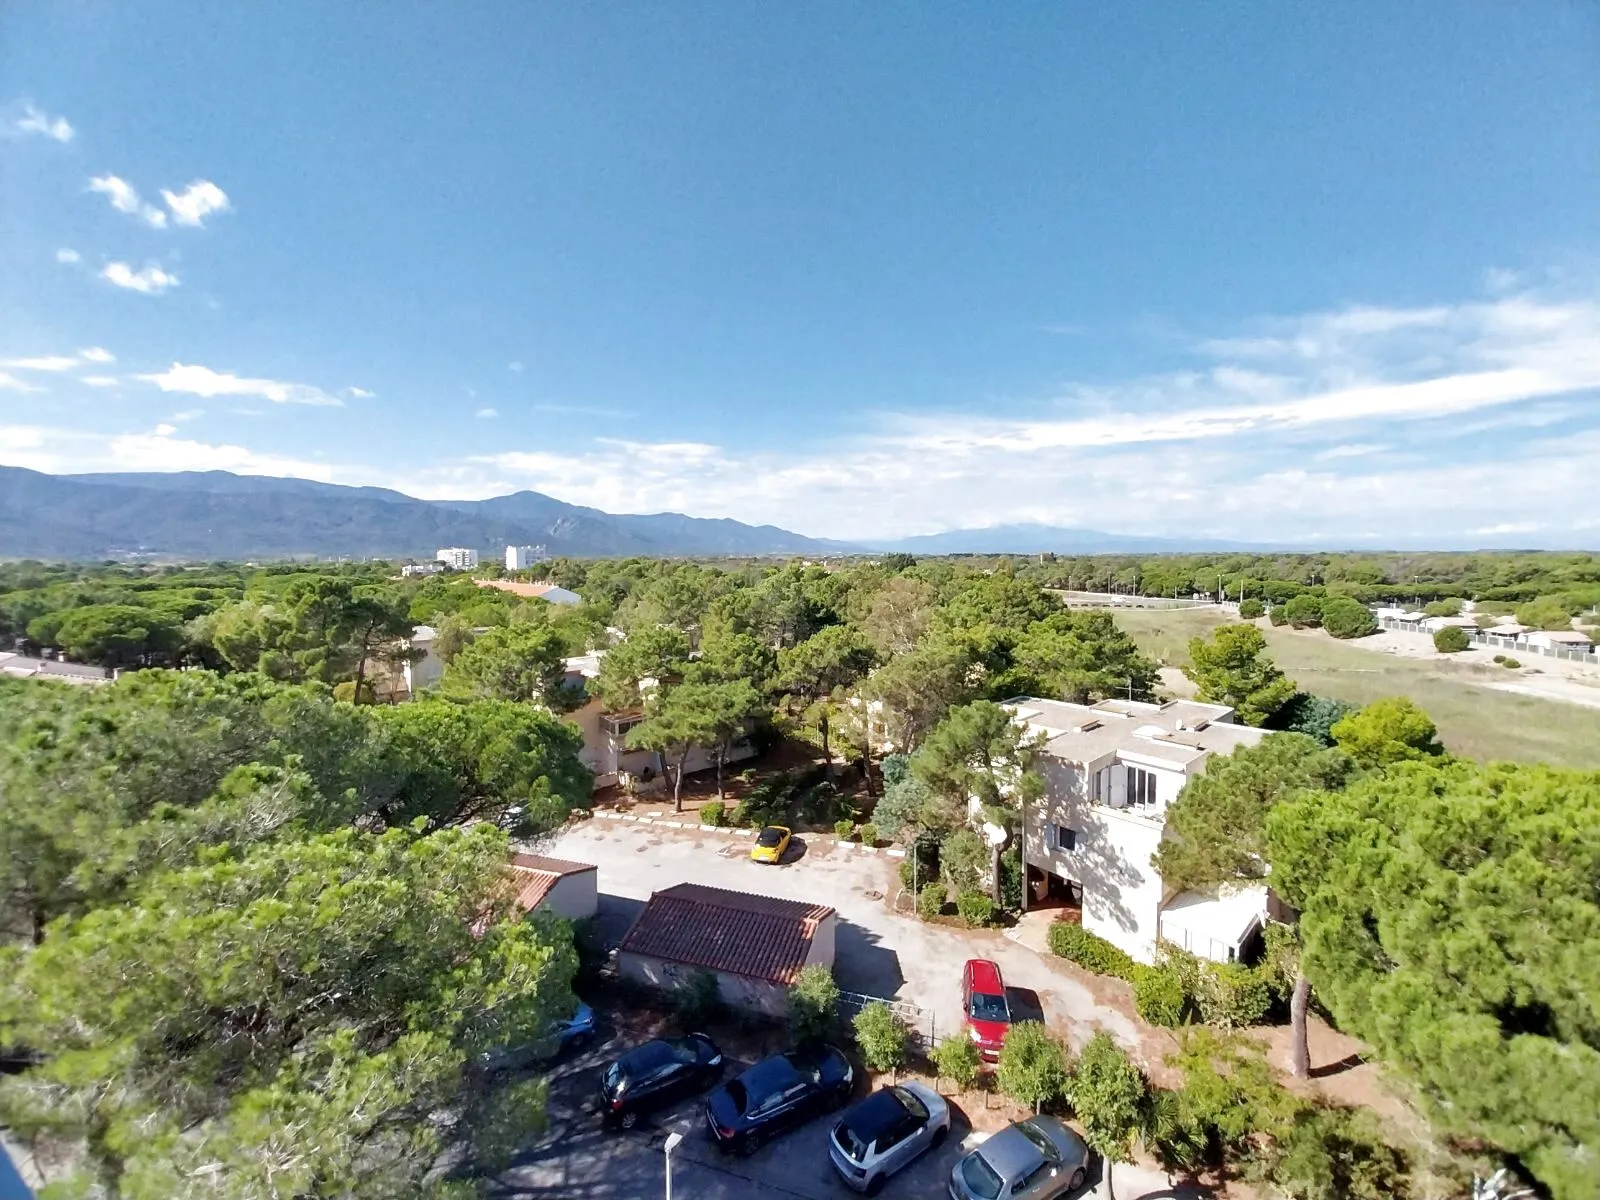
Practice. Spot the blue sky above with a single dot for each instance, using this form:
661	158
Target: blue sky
1245	270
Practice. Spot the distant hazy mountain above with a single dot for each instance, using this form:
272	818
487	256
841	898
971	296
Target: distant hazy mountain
1046	539
215	514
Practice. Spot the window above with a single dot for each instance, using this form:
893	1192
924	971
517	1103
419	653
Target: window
1066	840
1141	788
1100	786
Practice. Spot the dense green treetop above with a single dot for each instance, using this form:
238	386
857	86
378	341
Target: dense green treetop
1450	918
1232	667
1387	731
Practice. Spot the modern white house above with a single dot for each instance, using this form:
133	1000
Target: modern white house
457	558
423	671
1111	770
521	558
605	736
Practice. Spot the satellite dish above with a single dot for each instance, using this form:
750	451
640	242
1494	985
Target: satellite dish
994	834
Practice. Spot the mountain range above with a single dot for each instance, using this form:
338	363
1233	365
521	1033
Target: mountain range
1030	538
219	515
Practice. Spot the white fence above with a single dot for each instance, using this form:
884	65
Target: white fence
1498	642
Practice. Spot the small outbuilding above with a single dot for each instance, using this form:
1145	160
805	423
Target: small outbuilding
556	886
755	946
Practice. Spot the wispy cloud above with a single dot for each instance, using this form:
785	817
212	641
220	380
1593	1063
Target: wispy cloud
97	354
486	414
100	381
151	281
33	121
359	393
68	255
514	366
53	362
196	202
165	430
56	450
582	410
10	383
125	198
203	381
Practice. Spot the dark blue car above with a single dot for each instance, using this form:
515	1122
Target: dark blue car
777	1094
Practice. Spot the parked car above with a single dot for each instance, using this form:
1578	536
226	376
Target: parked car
983	1000
572	1033
771	842
1036	1159
885	1133
655	1074
776	1094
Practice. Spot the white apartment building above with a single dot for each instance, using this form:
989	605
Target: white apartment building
458	558
520	558
1111	769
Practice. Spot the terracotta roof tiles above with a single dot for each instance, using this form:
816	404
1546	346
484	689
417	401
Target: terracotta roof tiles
759	937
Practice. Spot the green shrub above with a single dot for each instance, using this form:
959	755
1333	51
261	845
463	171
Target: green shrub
844	829
1011	879
957	1059
881	1036
1451	640
964	860
1511	664
697	1001
1232	995
817	804
1033	1066
1277	616
1499	659
1077	944
1159	995
1305	610
930	901
813	1005
976	909
1250	609
1344	617
1334	1152
1449	607
714	813
869	834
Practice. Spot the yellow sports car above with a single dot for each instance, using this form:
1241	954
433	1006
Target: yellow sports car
771	842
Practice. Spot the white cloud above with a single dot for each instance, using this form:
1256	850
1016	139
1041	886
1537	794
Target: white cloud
59	451
53	362
100	381
188	414
33	121
196	202
68	255
165	430
359	393
124	198
10	383
152	280
97	354
203	381
514	366
486	414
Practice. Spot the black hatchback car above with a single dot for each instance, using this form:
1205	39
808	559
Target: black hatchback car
655	1074
776	1094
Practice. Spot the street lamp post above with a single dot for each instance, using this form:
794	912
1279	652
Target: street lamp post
671	1144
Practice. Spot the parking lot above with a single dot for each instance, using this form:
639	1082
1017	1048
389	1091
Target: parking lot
878	952
577	1159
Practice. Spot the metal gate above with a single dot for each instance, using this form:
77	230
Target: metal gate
919	1021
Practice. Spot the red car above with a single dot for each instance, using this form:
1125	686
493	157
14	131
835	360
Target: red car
983	1000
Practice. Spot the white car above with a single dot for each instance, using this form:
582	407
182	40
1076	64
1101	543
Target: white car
886	1132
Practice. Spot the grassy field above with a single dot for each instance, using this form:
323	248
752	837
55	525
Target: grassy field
1474	721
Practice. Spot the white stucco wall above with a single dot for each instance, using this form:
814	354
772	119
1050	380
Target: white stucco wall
575	897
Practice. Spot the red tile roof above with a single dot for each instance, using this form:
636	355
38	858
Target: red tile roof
759	937
533	875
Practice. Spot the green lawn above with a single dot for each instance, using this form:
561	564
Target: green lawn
1473	721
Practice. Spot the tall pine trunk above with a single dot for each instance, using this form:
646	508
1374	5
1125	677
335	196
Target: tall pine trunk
1300	1049
677	782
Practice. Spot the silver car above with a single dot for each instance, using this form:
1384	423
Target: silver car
1036	1159
885	1132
